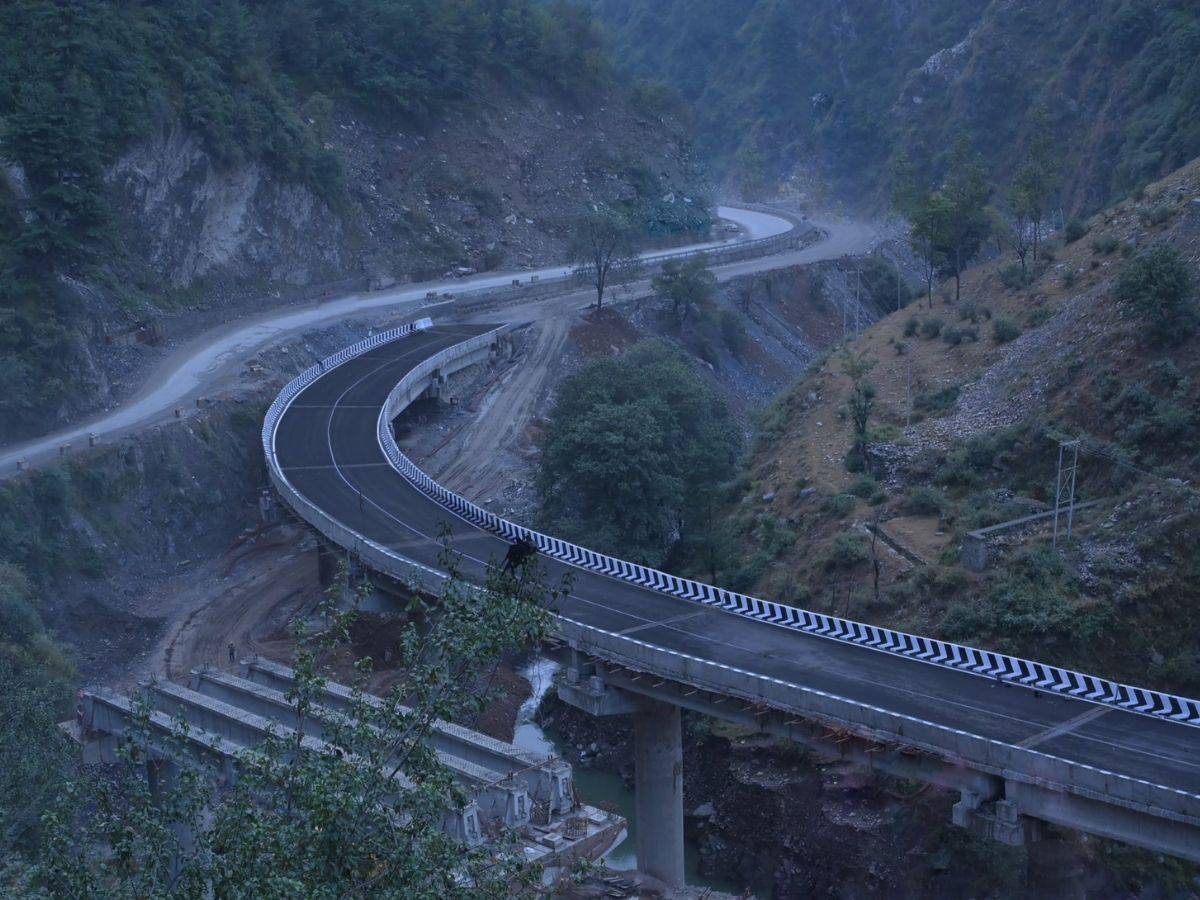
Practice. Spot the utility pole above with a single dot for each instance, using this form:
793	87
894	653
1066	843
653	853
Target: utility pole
908	395
857	297
1065	485
896	263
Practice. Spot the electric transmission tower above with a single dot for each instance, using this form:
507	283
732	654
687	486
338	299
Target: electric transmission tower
1064	490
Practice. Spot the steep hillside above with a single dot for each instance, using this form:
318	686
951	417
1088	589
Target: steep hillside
777	84
969	403
170	165
1119	80
841	86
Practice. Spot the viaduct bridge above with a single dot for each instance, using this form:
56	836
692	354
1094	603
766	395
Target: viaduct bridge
1023	743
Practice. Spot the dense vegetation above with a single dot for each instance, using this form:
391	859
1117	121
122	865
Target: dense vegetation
299	821
839	83
83	80
1103	320
79	80
635	448
36	680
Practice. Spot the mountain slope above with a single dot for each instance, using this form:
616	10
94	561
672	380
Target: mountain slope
166	161
844	86
972	401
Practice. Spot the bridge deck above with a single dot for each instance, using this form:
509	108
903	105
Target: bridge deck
327	447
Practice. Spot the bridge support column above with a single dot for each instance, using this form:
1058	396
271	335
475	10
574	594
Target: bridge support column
163	776
657	760
658	790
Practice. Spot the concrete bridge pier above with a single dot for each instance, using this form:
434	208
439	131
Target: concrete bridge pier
163	777
658	790
658	764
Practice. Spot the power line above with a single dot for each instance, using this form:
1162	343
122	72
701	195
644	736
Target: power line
1089	446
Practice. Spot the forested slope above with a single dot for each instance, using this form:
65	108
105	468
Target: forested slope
845	86
870	474
164	158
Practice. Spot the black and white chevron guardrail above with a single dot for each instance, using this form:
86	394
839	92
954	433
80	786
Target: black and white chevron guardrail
985	663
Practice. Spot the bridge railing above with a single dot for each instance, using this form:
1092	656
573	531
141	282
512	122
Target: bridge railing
1001	758
972	660
984	663
995	757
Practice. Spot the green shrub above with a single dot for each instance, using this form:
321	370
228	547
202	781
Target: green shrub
964	621
846	551
931	328
1105	244
959	471
911	326
1034	604
1154	425
1158	285
1156	215
1014	277
971	312
864	487
1004	331
733	331
956	336
940	581
772	422
745	576
855	460
773	535
838	506
937	403
925	501
1074	231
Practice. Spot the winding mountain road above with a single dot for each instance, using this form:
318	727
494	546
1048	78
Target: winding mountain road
210	361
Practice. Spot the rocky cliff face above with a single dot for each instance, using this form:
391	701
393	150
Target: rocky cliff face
190	218
1117	79
488	186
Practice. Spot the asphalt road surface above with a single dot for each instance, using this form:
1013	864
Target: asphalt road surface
327	447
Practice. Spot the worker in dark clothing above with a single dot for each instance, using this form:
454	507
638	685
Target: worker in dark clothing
518	552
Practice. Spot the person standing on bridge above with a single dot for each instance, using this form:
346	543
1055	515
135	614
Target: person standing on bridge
520	552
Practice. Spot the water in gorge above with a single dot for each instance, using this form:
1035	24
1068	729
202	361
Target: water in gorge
593	786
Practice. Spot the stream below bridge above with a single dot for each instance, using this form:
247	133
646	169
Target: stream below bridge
594	786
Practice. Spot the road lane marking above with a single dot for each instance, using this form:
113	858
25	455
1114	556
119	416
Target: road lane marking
1064	727
369	465
669	621
370	406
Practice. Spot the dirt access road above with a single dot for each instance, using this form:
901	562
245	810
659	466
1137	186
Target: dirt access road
472	461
